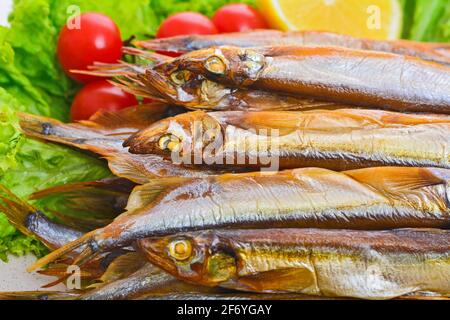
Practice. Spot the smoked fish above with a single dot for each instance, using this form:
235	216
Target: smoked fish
197	92
437	52
335	139
331	263
363	78
373	198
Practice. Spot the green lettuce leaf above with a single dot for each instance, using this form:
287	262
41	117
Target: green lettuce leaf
28	165
13	242
427	20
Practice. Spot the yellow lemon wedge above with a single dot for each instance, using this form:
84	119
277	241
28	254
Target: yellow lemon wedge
373	19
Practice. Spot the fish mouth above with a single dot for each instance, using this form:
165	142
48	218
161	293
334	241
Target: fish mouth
158	85
145	141
155	251
195	62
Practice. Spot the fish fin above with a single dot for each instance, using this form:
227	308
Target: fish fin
142	169
16	210
119	185
136	87
158	84
264	281
149	193
131	166
147	55
283	122
56	282
128	120
88	252
83	224
108	70
39	295
88	205
122	267
396	179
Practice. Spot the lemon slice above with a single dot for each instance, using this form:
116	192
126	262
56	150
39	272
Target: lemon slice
374	19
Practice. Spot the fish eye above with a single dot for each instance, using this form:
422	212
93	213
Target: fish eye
180	77
169	142
215	65
180	249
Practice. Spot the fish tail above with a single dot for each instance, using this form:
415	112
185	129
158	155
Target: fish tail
87	205
86	240
16	210
37	126
75	135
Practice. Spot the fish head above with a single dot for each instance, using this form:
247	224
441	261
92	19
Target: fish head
186	89
200	257
232	65
178	137
176	88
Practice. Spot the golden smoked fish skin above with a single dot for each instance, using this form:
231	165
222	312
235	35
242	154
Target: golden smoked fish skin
198	93
332	263
374	198
437	52
362	78
335	139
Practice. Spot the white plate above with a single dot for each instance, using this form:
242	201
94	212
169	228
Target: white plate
14	277
5	9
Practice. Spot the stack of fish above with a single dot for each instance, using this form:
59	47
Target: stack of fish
273	166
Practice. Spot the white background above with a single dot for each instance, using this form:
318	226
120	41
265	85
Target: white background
5	8
12	274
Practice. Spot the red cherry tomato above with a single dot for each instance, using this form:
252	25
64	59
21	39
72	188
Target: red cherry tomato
100	95
185	23
238	17
96	39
